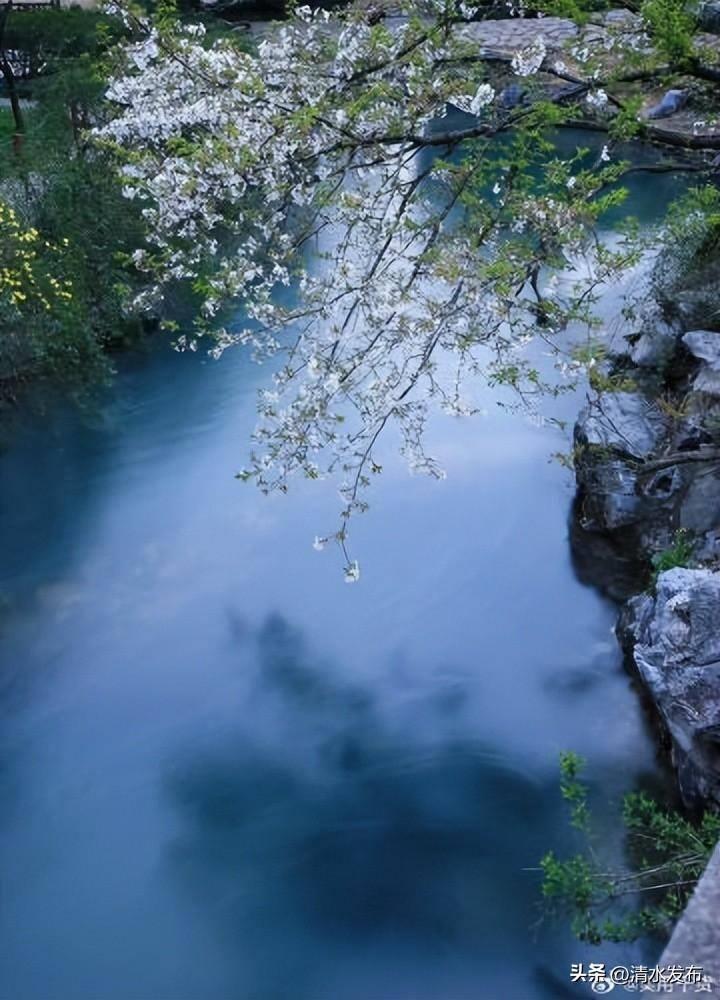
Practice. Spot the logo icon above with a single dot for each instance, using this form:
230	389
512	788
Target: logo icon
603	985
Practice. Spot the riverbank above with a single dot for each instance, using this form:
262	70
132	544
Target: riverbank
156	538
647	530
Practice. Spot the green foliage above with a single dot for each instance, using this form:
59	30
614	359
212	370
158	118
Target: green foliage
573	791
671	28
591	354
668	853
677	554
71	199
689	246
51	35
38	307
579	11
626	123
693	220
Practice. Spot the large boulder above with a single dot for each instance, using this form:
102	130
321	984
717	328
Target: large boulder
613	436
655	345
632	497
623	423
673	642
708	16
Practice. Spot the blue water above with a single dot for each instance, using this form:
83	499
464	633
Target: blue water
228	775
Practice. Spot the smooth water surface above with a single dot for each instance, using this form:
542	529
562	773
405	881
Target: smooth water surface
228	775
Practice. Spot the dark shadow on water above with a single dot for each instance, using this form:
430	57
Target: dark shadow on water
322	824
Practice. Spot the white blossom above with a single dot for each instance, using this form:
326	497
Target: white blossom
352	572
279	179
597	98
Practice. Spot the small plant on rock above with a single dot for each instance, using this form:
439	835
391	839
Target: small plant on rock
677	554
668	853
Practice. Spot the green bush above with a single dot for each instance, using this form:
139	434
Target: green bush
668	853
67	193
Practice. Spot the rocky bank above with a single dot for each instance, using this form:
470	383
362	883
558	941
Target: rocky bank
647	515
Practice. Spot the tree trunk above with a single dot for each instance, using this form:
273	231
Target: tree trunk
9	77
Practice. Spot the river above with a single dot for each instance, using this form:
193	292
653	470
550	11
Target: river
228	775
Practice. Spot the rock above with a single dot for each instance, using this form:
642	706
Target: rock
631	503
610	500
673	642
511	96
708	16
625	423
696	938
603	560
612	437
655	346
707	550
671	102
636	509
700	506
690	434
497	36
684	284
704	345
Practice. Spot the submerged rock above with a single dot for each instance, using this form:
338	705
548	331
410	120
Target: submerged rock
673	641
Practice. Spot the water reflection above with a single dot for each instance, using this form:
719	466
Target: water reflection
331	842
320	813
229	776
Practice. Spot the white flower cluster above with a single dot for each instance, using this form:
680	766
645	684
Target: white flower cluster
293	180
597	99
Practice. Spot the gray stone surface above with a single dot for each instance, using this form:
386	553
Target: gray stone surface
700	508
671	102
673	640
614	435
622	422
506	36
696	939
708	15
704	345
637	507
654	346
